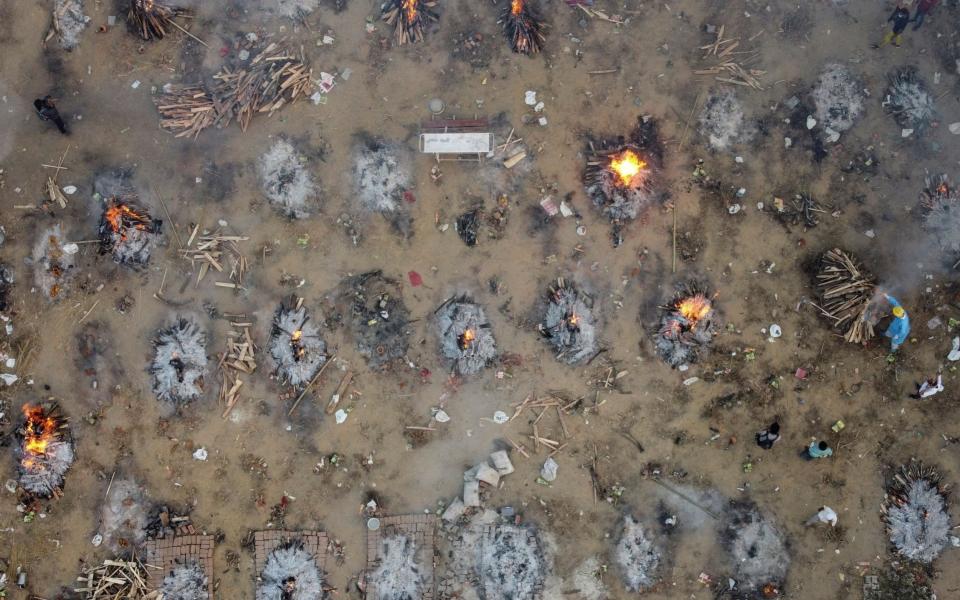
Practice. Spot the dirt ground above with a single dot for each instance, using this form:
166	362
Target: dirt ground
82	352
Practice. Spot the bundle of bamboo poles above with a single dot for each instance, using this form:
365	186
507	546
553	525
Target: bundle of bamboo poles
274	78
523	27
115	579
240	357
213	251
186	110
722	49
846	291
409	18
152	19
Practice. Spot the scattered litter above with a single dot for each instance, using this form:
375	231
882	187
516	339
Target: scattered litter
200	454
341	416
775	331
500	417
530	98
549	470
69	190
954	354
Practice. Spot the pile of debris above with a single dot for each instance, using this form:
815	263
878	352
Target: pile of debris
68	23
915	511
637	556
801	209
115	579
758	551
909	101
722	121
128	232
290	573
940	207
53	260
296	347
124	517
153	19
409	18
286	181
523	27
214	250
725	67
687	326
6	286
469	223
403	573
568	323
621	176
846	291
838	100
44	451
164	523
185	581
240	357
382	177
179	361
465	335
377	317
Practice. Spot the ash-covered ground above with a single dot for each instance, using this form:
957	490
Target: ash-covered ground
465	336
186	581
179	362
296	347
290	573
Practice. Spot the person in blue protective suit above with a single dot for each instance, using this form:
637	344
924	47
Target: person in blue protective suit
899	328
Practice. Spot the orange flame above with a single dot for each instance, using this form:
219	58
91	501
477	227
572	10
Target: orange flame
295	337
694	308
120	217
410	10
573	320
516	6
39	430
628	166
298	349
943	189
466	338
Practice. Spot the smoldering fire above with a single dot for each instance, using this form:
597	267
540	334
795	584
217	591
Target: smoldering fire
569	323
44	452
128	232
296	347
687	326
466	336
180	361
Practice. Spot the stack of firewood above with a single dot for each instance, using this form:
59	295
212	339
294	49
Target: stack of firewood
240	357
186	110
115	579
218	252
151	19
846	292
523	27
409	17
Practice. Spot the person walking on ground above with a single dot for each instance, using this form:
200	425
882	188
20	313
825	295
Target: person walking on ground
923	9
769	436
930	387
47	111
825	514
899	327
817	450
900	17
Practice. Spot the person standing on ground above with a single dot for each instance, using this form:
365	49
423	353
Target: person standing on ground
900	17
923	8
818	450
769	436
47	111
930	387
899	327
825	514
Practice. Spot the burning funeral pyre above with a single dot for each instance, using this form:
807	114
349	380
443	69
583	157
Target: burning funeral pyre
185	581
466	336
295	344
378	317
179	362
915	511
409	17
153	19
402	574
758	550
128	232
637	556
290	573
909	100
44	451
53	262
846	291
523	26
568	323
621	174
687	326
940	205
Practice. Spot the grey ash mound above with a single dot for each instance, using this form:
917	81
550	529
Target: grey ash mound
465	335
179	362
296	347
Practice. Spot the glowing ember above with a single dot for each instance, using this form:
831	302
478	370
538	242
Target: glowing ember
38	431
694	309
516	6
43	453
628	167
121	217
466	338
687	326
410	10
297	345
573	321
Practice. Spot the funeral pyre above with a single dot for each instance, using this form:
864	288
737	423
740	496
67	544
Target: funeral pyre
290	573
128	232
381	171
153	19
466	336
403	571
637	556
296	347
687	326
846	291
568	323
758	550
409	18
53	260
179	361
377	317
185	581
621	176
909	101
44	451
915	512
940	205
523	27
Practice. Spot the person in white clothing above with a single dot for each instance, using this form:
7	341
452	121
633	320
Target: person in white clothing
824	515
930	387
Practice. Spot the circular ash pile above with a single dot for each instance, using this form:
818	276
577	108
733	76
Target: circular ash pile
909	100
179	361
124	516
53	262
185	581
296	9
69	22
382	177
687	326
286	181
290	573
637	556
940	205
44	451
296	348
837	99
466	336
622	175
378	317
128	232
915	511
6	286
511	563
722	120
568	323
758	551
401	574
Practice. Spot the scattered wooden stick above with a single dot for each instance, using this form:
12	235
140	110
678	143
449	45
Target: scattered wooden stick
312	381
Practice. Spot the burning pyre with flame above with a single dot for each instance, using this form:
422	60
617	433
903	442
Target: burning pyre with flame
568	323
44	451
409	17
128	232
295	344
523	27
621	177
153	19
466	336
687	326
179	362
52	263
940	207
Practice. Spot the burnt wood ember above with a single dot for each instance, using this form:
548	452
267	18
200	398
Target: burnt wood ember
128	232
152	19
296	348
409	17
466	336
687	326
846	291
523	27
44	451
377	316
568	323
